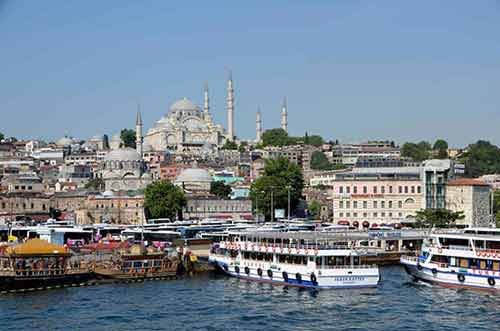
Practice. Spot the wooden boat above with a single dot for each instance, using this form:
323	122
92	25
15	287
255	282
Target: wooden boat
38	264
137	262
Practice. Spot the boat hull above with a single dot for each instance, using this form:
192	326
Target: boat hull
10	283
452	276
320	279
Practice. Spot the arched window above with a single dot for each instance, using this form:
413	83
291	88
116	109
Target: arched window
409	201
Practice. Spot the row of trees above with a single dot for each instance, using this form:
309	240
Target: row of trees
319	161
279	137
423	150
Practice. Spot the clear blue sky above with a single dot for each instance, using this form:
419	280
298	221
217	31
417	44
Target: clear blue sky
352	70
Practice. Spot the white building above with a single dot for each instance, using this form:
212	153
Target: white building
473	198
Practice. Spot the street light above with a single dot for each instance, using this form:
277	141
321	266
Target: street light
272	203
288	188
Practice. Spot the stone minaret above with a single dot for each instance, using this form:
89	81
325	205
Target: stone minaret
138	131
206	104
258	133
284	116
230	108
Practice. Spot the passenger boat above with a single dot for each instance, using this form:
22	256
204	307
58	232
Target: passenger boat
38	264
303	259
462	258
137	262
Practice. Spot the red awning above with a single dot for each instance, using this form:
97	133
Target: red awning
343	223
366	224
374	225
355	223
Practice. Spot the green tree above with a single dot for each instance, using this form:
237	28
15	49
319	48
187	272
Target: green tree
437	218
275	137
230	145
164	200
220	189
1	136
481	158
418	152
314	140
314	208
128	138
279	176
496	207
319	161
95	184
440	144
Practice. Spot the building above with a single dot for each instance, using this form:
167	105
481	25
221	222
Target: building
194	180
435	174
473	197
206	207
124	169
23	183
371	200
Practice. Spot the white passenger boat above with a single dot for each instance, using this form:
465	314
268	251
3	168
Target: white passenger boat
304	259
463	258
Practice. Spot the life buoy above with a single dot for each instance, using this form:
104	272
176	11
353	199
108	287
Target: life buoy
237	269
259	272
440	250
491	281
419	266
247	270
270	273
298	277
461	278
285	276
313	278
434	271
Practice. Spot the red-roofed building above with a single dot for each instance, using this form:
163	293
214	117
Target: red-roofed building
473	197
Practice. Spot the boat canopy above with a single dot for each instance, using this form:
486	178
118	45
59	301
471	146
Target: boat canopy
37	247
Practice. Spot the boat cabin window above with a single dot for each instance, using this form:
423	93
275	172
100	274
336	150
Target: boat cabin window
454	243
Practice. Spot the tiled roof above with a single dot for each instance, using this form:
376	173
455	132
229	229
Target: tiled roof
466	182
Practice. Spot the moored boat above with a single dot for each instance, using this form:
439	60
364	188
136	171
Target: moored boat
467	258
38	264
138	262
303	259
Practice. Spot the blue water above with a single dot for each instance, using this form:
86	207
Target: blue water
215	302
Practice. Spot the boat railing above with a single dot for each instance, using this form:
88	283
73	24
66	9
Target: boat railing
410	258
256	246
347	266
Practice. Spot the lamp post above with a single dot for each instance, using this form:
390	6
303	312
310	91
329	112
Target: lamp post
272	204
288	188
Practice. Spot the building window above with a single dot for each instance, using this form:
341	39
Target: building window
374	190
347	214
365	189
355	189
32	205
390	204
17	187
419	190
375	205
382	214
348	204
355	215
365	215
341	204
382	189
365	204
354	204
43	207
400	204
382	204
400	214
3	205
341	189
347	190
341	214
390	214
406	189
413	189
400	188
30	188
375	214
390	189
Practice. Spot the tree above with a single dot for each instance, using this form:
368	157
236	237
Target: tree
481	158
496	207
314	208
418	152
95	184
230	145
319	161
1	136
314	140
128	138
220	189
279	176
440	144
164	200
437	218
275	137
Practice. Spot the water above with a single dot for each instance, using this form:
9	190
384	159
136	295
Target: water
215	302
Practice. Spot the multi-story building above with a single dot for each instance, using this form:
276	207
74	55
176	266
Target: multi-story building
112	208
369	200
435	174
209	207
473	198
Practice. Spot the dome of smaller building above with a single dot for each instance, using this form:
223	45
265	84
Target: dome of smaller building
123	154
64	141
194	175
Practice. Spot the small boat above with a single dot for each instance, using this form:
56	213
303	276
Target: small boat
38	264
467	258
137	262
303	259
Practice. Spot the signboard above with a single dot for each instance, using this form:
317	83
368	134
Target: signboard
279	213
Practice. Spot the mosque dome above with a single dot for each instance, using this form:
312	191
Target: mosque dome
184	105
64	141
194	175
123	154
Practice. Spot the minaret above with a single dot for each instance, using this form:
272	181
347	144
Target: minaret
138	131
258	133
206	105
230	107
284	116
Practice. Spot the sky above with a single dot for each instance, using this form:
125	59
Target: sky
351	70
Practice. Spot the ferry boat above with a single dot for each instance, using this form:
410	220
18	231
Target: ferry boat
303	259
467	258
38	264
137	262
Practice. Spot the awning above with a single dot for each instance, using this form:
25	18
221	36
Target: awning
366	224
343	223
355	223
